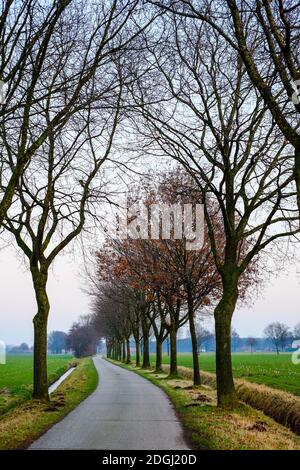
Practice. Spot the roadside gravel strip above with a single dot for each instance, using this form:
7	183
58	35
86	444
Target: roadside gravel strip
126	411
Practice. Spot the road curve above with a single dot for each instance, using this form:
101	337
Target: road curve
125	412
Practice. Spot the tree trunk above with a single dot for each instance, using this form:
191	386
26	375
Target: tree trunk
128	356
108	349
40	321
123	351
173	351
223	314
137	353
158	363
196	368
146	355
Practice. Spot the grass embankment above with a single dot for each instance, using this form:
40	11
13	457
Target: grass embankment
16	377
273	370
210	427
23	424
282	406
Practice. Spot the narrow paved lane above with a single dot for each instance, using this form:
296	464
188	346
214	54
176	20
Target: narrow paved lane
126	411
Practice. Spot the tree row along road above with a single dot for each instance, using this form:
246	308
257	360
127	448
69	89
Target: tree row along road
125	412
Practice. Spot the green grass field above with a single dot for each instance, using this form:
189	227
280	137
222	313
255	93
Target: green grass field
16	376
273	370
24	423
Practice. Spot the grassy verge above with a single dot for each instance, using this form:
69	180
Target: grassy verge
25	423
282	406
212	428
16	377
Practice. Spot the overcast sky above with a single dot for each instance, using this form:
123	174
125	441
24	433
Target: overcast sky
279	301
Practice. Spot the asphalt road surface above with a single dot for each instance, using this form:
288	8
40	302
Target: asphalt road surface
125	412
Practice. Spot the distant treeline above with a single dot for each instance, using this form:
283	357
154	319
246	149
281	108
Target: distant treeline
184	345
23	348
80	335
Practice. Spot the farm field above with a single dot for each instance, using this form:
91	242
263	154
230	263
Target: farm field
273	370
16	376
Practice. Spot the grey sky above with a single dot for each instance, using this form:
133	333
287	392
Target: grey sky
279	301
18	302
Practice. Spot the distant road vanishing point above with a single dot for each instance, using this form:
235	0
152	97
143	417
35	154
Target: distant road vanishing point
125	412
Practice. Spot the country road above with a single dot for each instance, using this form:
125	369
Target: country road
125	412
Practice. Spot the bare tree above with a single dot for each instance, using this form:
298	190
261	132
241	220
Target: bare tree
297	331
235	337
220	130
52	202
82	338
203	335
251	342
57	341
60	188
278	333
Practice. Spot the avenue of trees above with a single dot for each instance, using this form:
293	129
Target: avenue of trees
207	85
152	287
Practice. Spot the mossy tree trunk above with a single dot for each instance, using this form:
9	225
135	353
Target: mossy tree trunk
196	368
159	333
137	351
146	355
40	322
124	351
223	315
173	350
175	323
158	361
128	355
137	354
